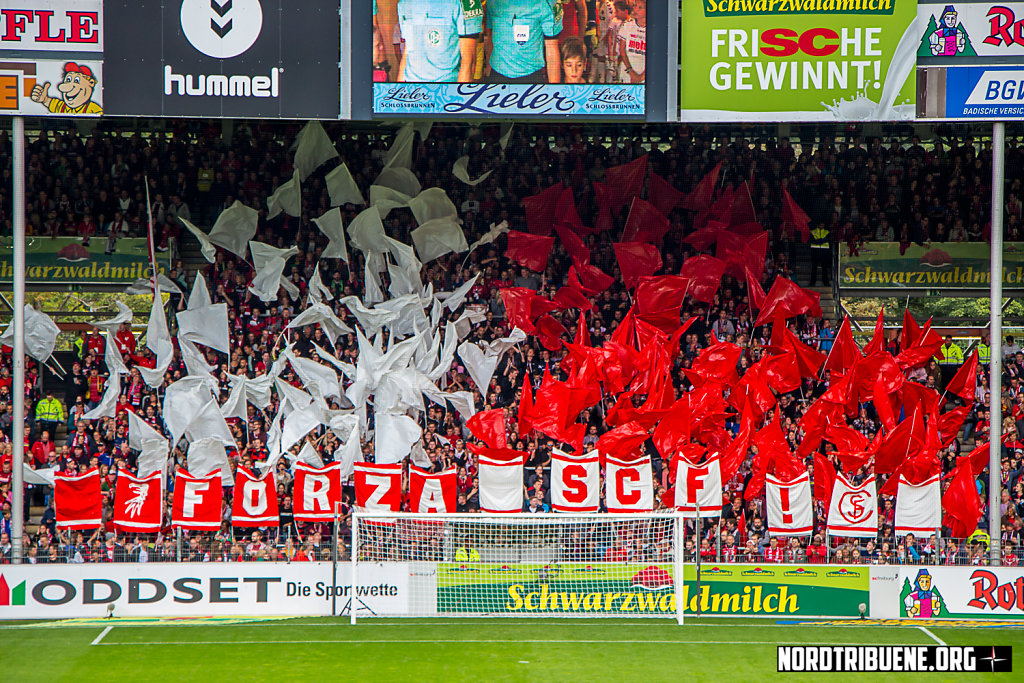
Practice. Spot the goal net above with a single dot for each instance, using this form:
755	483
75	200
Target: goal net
540	565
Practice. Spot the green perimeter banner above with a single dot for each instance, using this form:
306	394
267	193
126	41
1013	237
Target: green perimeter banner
946	265
798	60
65	261
648	589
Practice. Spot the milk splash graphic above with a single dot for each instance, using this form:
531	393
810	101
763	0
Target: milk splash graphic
862	107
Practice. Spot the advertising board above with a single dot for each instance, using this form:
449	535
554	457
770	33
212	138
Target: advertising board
65	260
986	33
786	60
946	265
512	58
961	593
197	589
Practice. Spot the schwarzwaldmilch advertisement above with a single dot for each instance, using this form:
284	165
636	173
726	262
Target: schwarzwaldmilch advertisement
509	57
223	58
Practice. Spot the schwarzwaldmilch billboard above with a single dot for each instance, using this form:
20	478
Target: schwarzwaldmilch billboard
222	58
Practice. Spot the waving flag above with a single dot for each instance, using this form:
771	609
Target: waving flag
138	503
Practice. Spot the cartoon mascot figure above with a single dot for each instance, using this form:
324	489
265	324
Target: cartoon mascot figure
923	602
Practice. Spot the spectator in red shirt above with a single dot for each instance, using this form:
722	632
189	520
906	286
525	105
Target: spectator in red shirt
817	552
42	449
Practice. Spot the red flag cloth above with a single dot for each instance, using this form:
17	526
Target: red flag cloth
911	331
877	342
489	427
673	429
138	503
317	490
378	487
844	353
755	292
782	372
718	361
702	239
925	347
77	500
432	492
824	478
704	193
518	303
965	381
663	196
734	455
900	444
740	252
808	360
950	423
961	502
549	332
540	209
529	251
743	212
916	396
525	408
625	182
846	438
623	442
883	404
794	216
645	223
705	274
567	297
566	214
636	260
589	279
574	246
789	298
603	199
255	500
197	501
661	293
979	458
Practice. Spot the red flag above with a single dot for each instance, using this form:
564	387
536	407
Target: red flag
525	408
574	246
603	199
824	478
625	182
979	458
489	427
793	215
704	193
540	209
432	492
566	214
378	487
782	372
673	429
877	343
255	500
138	503
645	223
518	303
529	251
77	500
965	381
950	423
900	444
549	332
197	501
911	331
734	455
915	396
702	239
883	405
755	292
636	260
317	490
705	274
743	212
567	297
622	442
789	298
663	196
844	353
589	279
961	501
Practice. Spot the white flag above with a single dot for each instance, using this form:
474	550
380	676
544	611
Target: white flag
207	455
313	147
575	481
330	224
430	204
205	245
437	237
235	226
394	436
853	510
501	484
400	180
342	188
699	486
789	506
40	334
918	507
461	171
287	197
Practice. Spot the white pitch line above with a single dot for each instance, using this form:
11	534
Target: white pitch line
462	641
931	635
103	634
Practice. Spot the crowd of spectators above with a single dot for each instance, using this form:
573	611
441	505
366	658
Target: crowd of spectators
860	190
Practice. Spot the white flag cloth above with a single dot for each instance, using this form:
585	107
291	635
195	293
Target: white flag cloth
918	507
431	204
112	355
342	188
322	315
699	485
481	360
208	423
366	232
399	155
203	322
789	505
39	477
158	340
346	428
40	334
452	300
182	400
207	455
461	171
124	315
287	198
235	405
255	390
153	444
308	455
383	199
853	510
205	245
465	322
463	403
628	486
370	319
492	234
394	436
501	484
297	425
140	431
506	133
269	263
401	180
331	225
575	481
316	290
235	226
315	374
200	294
313	147
107	406
438	237
144	285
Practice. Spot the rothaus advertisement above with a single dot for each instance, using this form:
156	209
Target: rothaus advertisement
199	589
522	58
971	60
223	58
51	58
798	60
961	592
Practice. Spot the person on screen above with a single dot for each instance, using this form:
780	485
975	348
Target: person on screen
574	19
440	40
632	44
574	60
524	34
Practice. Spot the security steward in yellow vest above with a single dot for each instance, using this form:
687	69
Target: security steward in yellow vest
820	256
49	414
984	350
952	359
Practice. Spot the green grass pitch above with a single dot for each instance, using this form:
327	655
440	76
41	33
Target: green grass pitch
498	649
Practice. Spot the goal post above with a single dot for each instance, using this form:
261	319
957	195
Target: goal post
531	565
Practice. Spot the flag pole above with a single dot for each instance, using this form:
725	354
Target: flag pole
18	382
996	322
696	549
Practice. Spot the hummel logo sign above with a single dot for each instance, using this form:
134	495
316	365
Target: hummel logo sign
221	29
221	10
